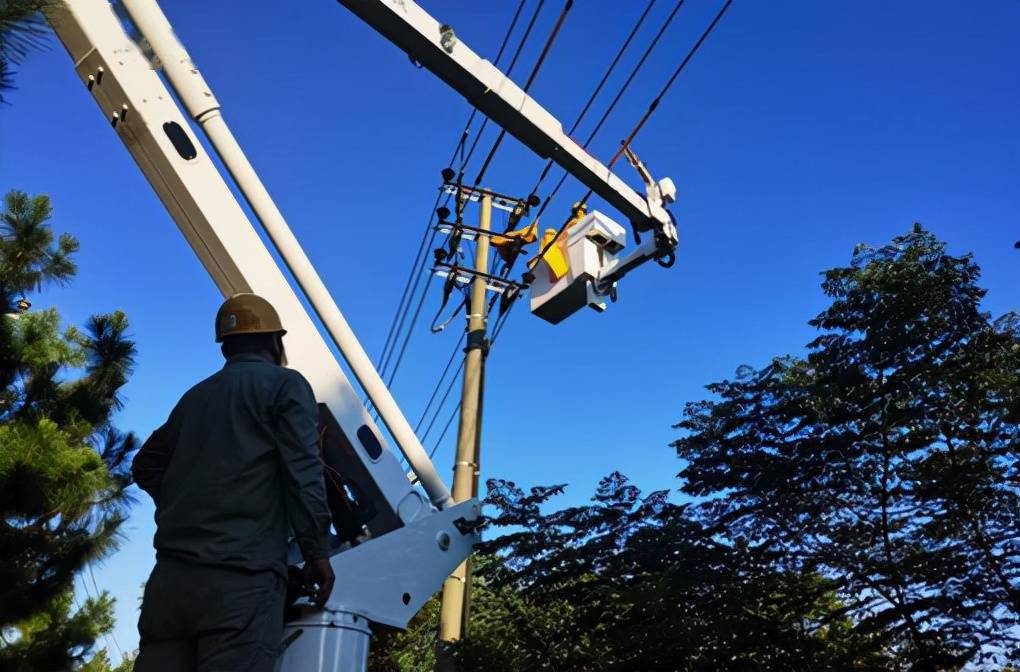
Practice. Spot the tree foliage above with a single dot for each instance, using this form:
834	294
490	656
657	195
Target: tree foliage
886	459
29	255
21	30
631	582
56	639
856	508
63	465
634	582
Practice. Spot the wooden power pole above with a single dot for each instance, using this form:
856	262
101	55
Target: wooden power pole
453	614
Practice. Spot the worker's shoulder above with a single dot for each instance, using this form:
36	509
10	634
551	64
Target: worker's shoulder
278	377
293	379
244	373
273	380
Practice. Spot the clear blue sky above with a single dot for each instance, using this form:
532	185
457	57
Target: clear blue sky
799	130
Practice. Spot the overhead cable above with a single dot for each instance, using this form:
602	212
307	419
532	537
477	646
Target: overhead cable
500	321
457	348
513	61
651	108
598	88
676	73
616	99
531	79
509	70
414	277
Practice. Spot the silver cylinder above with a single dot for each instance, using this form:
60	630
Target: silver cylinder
327	641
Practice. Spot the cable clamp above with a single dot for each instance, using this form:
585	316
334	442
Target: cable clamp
476	340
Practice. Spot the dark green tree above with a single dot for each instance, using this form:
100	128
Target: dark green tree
21	29
42	642
63	465
884	460
29	255
633	583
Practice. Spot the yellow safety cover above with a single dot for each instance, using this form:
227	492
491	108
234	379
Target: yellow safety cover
556	256
505	244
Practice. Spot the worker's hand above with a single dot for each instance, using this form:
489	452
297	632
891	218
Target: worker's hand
319	580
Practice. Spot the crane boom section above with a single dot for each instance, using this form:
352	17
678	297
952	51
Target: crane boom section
135	101
414	30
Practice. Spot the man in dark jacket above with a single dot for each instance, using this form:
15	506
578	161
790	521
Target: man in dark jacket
233	472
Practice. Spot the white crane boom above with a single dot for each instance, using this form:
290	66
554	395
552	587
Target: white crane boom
411	546
407	544
436	47
594	268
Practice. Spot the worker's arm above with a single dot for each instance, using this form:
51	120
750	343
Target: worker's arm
297	425
152	459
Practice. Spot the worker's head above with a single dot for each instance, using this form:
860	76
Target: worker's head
249	323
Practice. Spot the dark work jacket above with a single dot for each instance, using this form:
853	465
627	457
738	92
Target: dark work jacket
235	467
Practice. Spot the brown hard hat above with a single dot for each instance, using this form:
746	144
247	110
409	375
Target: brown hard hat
247	314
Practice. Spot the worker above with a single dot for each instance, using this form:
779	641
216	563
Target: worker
232	472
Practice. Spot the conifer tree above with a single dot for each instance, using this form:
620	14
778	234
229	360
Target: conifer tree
63	465
21	30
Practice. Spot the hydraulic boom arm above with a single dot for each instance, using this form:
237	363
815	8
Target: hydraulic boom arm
594	272
414	30
405	541
403	545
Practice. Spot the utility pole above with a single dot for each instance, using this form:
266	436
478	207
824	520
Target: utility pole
453	615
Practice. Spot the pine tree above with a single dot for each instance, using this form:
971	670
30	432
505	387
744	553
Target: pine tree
63	465
886	459
21	30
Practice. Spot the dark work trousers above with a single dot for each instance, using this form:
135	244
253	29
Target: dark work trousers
198	618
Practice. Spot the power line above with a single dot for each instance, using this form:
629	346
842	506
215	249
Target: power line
383	356
414	276
619	95
616	99
497	329
651	108
435	391
424	294
513	61
442	401
446	428
598	88
500	321
676	73
403	348
524	38
435	416
421	300
442	377
531	79
509	70
634	72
